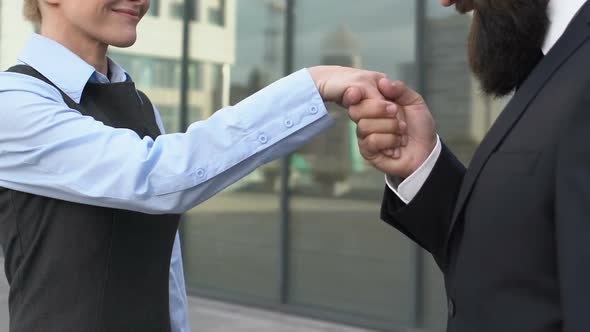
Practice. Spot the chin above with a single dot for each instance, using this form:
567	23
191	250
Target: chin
123	41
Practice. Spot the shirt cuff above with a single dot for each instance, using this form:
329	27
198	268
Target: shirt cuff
406	189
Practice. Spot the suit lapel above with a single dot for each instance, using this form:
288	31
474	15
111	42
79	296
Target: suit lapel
575	35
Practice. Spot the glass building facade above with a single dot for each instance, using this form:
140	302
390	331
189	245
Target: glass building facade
303	234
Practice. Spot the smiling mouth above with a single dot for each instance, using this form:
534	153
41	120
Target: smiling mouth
128	12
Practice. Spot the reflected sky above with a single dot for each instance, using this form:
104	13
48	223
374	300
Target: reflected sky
384	28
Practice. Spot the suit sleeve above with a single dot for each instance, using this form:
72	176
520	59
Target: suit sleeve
426	219
572	220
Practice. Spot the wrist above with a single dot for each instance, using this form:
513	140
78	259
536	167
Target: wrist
317	74
428	158
321	76
422	156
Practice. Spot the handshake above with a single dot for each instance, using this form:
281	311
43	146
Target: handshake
395	130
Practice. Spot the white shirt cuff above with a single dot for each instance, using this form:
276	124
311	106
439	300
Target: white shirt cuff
406	189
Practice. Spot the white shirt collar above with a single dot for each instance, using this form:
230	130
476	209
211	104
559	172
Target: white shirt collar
561	13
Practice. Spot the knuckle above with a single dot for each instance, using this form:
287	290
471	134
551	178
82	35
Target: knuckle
393	140
393	125
354	113
373	141
359	132
362	128
400	84
364	147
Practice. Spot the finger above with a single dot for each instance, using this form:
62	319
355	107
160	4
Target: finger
375	143
369	87
405	140
403	124
367	127
403	127
372	108
352	96
389	152
399	93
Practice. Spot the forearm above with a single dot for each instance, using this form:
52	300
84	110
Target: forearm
427	217
53	151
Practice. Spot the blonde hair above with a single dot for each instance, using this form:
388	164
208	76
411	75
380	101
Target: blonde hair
32	11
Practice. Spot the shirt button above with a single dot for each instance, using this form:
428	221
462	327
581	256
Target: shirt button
451	307
313	110
263	139
200	173
288	123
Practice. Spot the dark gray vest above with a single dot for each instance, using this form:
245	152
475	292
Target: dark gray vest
75	267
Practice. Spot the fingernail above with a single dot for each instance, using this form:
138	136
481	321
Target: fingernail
397	153
388	153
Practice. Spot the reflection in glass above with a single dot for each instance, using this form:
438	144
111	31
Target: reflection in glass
177	9
216	12
154	8
343	259
230	241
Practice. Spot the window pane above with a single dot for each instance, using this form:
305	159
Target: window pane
343	258
177	9
216	12
154	8
231	241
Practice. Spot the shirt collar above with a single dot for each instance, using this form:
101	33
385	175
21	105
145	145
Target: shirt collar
561	13
64	68
116	72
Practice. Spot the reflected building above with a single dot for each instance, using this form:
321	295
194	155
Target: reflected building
448	86
14	32
333	157
462	112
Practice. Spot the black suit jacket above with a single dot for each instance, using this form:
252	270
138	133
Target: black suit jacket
512	232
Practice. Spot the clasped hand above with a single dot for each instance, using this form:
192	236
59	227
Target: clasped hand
395	130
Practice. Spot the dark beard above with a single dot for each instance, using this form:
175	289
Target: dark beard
505	41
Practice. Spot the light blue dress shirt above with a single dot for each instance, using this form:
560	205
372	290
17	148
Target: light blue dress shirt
51	150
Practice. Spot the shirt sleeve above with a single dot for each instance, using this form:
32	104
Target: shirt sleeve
51	150
179	321
406	189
